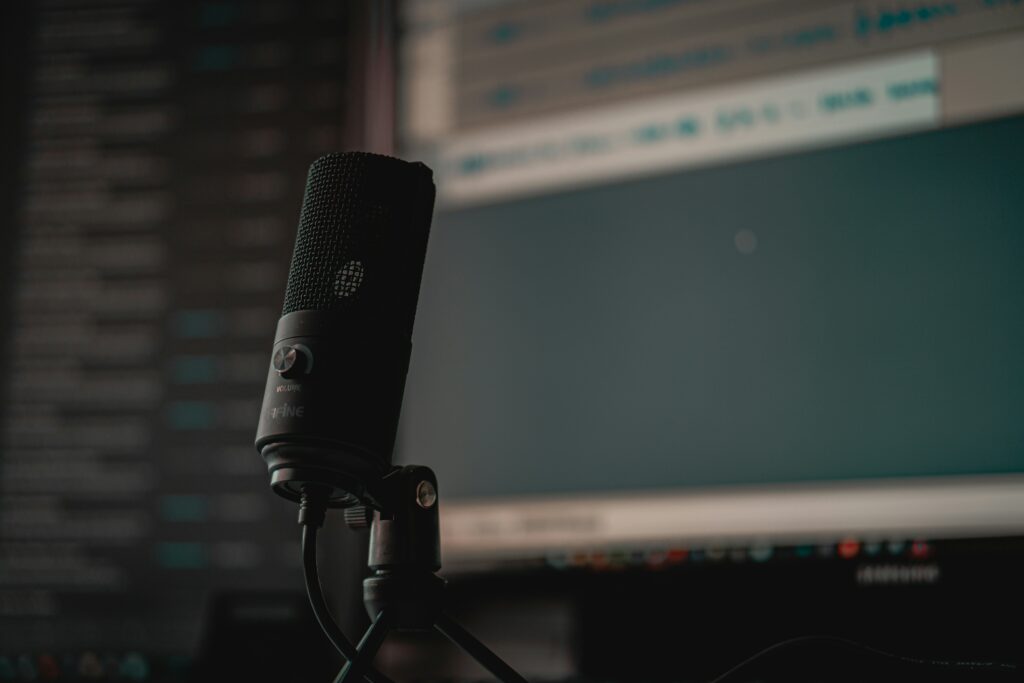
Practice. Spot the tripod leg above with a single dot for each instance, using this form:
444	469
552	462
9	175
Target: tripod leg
477	650
366	650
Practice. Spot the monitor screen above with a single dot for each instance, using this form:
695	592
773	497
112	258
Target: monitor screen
712	275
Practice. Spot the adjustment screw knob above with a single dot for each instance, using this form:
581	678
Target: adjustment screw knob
358	517
426	495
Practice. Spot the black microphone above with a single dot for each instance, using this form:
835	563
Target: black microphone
341	353
334	393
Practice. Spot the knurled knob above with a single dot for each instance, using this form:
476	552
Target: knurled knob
358	517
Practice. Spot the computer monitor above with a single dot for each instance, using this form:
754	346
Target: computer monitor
717	280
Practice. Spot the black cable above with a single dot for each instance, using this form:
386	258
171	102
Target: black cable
316	595
748	666
311	516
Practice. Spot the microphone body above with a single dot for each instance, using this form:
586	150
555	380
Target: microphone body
341	353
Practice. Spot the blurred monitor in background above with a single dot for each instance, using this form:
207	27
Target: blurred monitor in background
743	273
719	283
718	339
155	155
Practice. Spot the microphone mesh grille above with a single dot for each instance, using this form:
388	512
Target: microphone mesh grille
362	237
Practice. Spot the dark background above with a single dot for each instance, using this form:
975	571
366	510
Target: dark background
148	545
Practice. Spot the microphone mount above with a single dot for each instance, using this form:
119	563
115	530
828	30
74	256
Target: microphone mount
403	590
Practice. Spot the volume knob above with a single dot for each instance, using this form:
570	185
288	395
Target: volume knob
292	360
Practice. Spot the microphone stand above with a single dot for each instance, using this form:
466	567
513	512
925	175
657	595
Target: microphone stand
403	591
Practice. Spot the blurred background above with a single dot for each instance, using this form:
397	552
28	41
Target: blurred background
719	339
